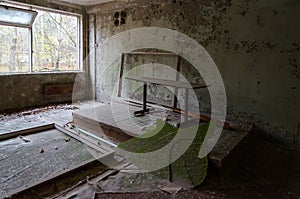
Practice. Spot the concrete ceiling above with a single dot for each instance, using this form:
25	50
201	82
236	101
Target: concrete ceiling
86	2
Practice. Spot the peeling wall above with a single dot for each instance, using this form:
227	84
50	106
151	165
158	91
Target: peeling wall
21	91
255	44
52	4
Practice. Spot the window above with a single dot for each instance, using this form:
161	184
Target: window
14	49
50	44
16	16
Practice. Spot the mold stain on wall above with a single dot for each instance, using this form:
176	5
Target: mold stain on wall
21	91
255	45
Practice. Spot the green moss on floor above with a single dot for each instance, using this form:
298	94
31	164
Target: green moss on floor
189	170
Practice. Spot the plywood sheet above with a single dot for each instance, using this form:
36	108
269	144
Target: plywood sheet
30	159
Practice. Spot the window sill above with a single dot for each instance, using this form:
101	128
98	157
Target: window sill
43	73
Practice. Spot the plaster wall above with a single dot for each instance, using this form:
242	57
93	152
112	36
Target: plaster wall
18	92
21	91
255	44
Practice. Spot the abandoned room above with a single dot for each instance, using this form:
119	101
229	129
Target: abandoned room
149	99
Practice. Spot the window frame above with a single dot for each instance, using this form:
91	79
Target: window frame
34	14
79	38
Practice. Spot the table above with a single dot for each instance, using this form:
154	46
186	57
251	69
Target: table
176	84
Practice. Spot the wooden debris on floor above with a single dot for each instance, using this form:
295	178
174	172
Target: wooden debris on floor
30	159
231	145
116	121
99	119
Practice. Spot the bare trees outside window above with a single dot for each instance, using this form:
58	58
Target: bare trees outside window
14	49
55	42
51	44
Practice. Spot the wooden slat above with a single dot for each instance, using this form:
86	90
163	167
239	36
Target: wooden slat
175	99
150	53
26	131
81	137
87	168
166	82
201	117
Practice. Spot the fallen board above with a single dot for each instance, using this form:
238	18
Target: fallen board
31	157
223	159
116	121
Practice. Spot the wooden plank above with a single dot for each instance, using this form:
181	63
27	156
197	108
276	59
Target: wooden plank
101	122
166	82
151	53
202	117
79	172
26	131
102	129
178	64
87	167
229	151
105	114
95	144
95	57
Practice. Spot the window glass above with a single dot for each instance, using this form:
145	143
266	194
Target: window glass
14	49
55	42
16	16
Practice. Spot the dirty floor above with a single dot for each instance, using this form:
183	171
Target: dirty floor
241	185
245	182
33	158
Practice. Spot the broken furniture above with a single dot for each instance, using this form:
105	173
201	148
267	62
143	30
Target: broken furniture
176	84
111	122
148	80
116	121
178	66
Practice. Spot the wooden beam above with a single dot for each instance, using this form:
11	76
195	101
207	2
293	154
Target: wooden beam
150	53
26	131
68	177
202	117
178	64
166	82
81	137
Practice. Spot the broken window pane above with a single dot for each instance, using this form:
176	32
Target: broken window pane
16	16
14	49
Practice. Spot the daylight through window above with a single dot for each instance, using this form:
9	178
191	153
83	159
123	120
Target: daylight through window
51	44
